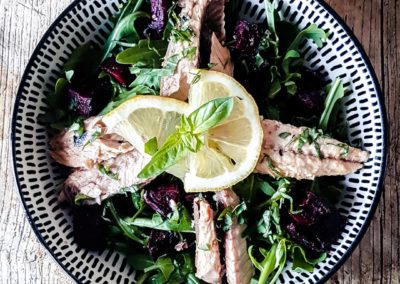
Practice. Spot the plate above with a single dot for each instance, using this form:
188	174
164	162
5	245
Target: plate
38	177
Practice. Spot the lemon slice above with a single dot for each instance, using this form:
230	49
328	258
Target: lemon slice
144	117
232	148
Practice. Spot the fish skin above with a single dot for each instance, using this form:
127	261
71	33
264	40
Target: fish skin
207	258
289	161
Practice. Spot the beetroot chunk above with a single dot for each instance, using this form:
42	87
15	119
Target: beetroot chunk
91	98
159	198
317	226
159	18
161	242
118	72
247	38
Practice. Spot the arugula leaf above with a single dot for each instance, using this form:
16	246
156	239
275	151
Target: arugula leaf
147	52
312	32
301	262
181	224
124	27
336	92
151	146
188	137
140	261
164	264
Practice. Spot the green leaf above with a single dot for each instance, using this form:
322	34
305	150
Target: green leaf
336	92
268	265
164	264
151	146
68	75
105	170
284	135
270	16
301	262
169	154
312	32
182	224
80	197
287	59
139	261
125	27
77	126
210	114
147	52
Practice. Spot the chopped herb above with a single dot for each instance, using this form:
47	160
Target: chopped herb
80	198
96	134
345	149
105	170
309	136
284	135
196	78
272	167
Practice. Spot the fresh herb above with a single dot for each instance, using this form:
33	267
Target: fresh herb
96	134
80	198
188	136
147	52
272	167
335	93
151	146
123	28
177	28
204	247
176	223
164	265
284	135
309	136
345	149
105	170
229	213
77	126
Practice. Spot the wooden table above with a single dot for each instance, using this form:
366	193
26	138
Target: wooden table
376	260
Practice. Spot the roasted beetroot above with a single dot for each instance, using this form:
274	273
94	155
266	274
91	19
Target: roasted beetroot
247	37
317	225
159	197
159	18
91	98
162	242
119	72
89	227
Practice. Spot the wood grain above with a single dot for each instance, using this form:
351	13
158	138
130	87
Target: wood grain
375	23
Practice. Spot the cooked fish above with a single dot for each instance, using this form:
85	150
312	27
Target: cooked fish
207	260
282	155
93	147
177	85
105	179
239	269
220	57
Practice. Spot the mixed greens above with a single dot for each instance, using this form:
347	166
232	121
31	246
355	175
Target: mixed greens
286	220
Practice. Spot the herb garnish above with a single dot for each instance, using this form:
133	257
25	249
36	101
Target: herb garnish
188	136
105	170
284	135
96	134
336	92
309	136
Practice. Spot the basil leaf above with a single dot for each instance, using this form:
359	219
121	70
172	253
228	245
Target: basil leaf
169	154
125	27
151	146
210	114
336	92
148	52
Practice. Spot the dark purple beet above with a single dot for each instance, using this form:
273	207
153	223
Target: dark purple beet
89	228
91	98
247	38
159	18
158	197
317	225
119	72
161	242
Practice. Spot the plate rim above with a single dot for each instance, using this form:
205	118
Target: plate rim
382	109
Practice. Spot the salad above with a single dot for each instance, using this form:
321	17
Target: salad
200	145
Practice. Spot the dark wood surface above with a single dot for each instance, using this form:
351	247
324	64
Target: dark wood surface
376	23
